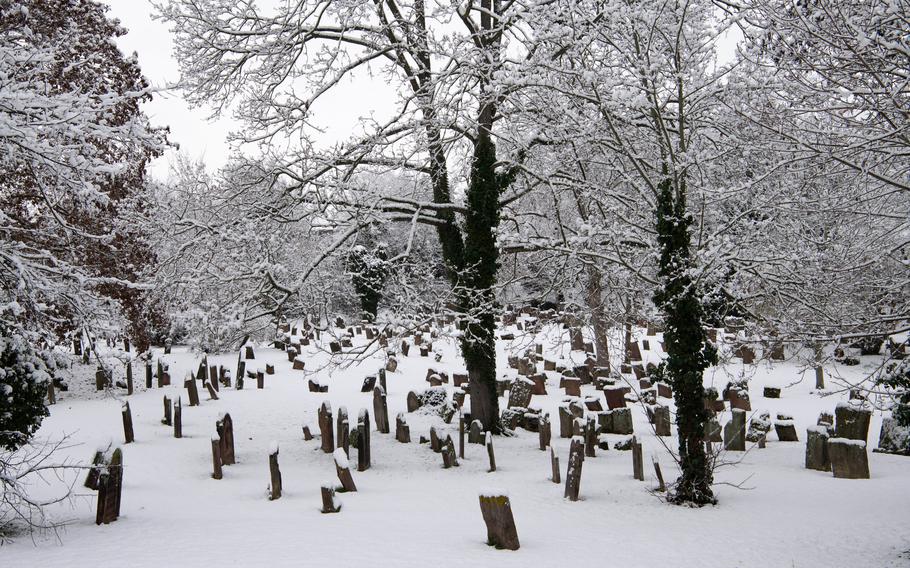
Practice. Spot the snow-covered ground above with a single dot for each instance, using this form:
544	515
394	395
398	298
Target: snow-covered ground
408	511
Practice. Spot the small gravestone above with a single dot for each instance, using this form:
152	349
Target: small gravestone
544	431
771	392
849	459
520	393
622	421
248	352
342	430
110	487
368	384
167	412
573	471
178	418
489	444
817	449
590	437
192	390
555	476
572	386
638	467
216	457
209	386
127	423
413	402
497	515
713	431
381	410
363	440
662	421
328	499
565	422
616	397
739	398
448	452
735	431
307	433
324	418
343	469
851	422
785	428
335	347
274	473
225	429
475	432
316	386
402	430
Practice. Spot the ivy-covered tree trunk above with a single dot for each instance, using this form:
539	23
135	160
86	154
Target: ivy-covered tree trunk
481	261
685	341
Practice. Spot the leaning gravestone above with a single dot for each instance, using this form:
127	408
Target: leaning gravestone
497	515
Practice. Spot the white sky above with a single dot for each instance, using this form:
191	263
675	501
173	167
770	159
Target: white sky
205	140
191	129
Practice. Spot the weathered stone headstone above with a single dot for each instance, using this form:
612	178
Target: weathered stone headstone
363	440
638	467
785	428
497	515
817	448
662	421
448	452
192	390
520	393
852	422
324	418
216	458
489	444
127	423
225	429
274	473
735	431
848	458
381	410
343	469
402	430
573	472
544	431
328	499
178	418
555	475
616	397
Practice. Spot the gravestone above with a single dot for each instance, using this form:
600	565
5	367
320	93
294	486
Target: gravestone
735	431
274	473
555	476
849	459
402	430
573	472
363	440
216	458
324	418
225	429
817	448
343	470
497	515
127	423
851	422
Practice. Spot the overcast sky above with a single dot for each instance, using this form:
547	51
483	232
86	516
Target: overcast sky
206	140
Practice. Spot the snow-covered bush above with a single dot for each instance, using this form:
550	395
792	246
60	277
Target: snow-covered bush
23	385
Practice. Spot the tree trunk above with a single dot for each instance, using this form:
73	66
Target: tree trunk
685	340
594	299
